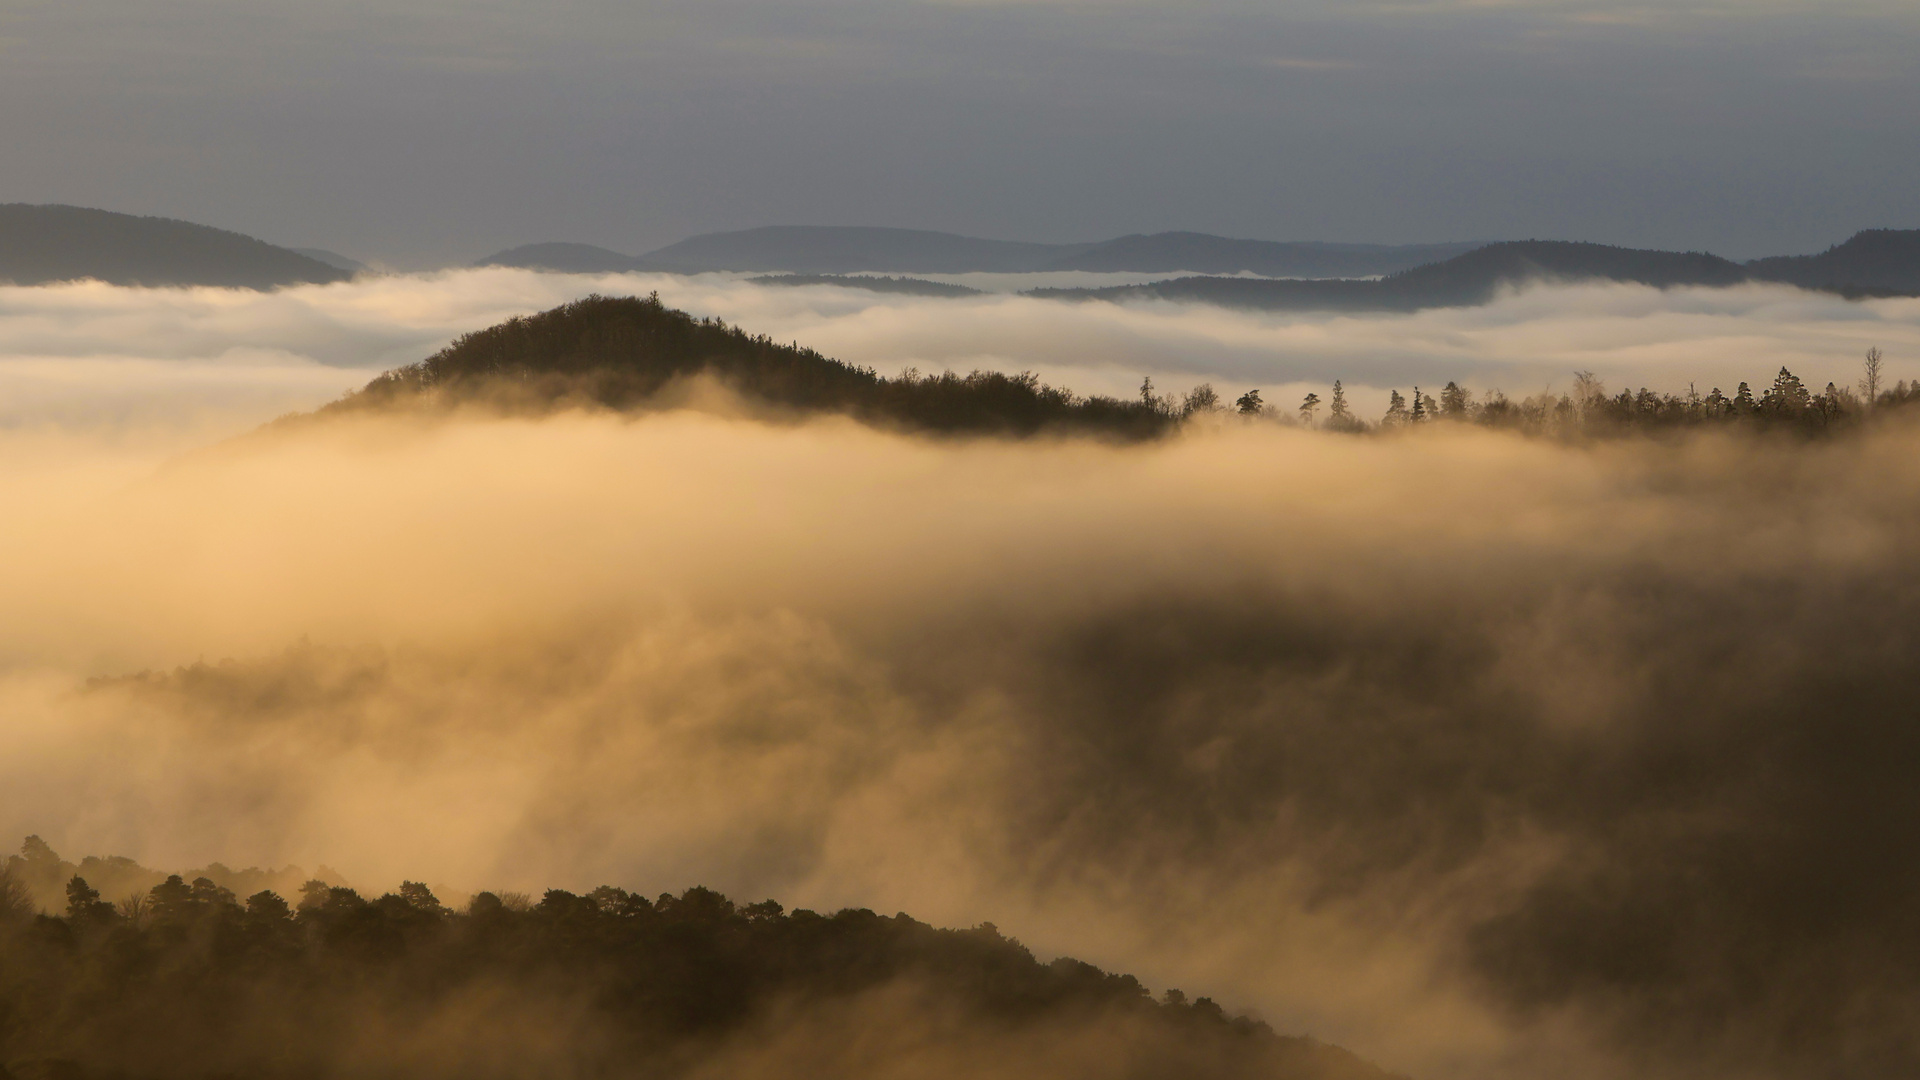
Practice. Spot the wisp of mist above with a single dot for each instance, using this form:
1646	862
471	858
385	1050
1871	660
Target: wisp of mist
1480	755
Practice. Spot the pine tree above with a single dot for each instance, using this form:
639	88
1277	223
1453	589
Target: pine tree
1419	407
1338	416
1788	395
84	903
1307	408
1396	410
1250	403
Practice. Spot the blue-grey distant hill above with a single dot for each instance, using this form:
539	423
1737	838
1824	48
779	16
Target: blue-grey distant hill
1880	262
332	258
905	285
567	259
807	249
41	244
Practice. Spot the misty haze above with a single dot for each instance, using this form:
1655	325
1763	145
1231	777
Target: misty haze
1053	541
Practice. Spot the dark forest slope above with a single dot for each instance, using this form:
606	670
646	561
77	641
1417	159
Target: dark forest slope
626	353
40	244
1873	261
192	981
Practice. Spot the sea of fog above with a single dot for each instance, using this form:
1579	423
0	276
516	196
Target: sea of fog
1485	756
87	354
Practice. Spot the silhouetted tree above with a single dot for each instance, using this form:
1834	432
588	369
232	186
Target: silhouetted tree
1787	396
1339	416
1870	378
1200	399
1396	410
84	904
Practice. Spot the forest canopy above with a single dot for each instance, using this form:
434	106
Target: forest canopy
190	979
632	353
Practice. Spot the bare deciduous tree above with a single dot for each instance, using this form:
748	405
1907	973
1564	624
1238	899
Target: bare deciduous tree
1870	378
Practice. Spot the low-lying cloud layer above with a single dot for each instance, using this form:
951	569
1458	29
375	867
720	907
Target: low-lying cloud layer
90	353
1480	755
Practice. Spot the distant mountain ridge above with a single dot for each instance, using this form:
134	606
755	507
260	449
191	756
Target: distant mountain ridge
1880	262
906	285
47	243
1295	276
808	249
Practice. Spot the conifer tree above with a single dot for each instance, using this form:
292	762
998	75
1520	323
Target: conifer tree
1396	409
1788	395
1307	409
84	903
1338	416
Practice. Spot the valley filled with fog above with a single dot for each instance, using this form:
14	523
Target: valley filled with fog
1478	754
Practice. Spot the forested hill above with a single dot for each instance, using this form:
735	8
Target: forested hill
188	980
1879	262
40	244
1470	279
632	353
1874	261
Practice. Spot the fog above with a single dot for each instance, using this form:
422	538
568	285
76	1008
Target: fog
203	360
1479	755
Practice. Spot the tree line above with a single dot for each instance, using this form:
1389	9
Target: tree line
190	979
1787	404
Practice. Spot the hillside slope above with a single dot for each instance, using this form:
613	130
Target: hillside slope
41	244
1875	260
632	354
198	981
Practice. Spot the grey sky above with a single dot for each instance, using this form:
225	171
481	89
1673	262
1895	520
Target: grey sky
415	131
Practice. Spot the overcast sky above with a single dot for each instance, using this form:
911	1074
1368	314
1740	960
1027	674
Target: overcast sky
420	131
